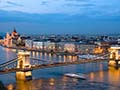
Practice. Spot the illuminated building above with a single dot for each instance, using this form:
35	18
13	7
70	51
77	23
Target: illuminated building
11	38
98	50
86	48
37	44
70	47
114	56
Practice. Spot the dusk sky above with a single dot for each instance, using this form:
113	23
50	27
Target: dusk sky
60	16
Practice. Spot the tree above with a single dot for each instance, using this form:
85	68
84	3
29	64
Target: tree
2	86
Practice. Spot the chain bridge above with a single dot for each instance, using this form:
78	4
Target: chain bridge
25	63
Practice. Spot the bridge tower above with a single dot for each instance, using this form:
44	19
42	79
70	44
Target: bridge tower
24	65
114	56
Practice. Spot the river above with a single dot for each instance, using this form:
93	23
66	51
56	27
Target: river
99	75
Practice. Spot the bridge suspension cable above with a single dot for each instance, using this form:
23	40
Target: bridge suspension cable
39	59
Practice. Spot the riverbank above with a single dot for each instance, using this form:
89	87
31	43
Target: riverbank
41	50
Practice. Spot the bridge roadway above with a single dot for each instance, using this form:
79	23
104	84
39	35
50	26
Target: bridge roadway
55	64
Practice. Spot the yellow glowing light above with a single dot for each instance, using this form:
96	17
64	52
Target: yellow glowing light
28	73
91	75
98	50
101	75
10	87
118	62
20	75
112	62
23	53
52	81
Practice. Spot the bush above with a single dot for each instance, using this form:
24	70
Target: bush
2	86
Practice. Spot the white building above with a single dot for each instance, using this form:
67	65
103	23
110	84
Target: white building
71	46
37	44
118	41
46	45
86	48
28	43
51	46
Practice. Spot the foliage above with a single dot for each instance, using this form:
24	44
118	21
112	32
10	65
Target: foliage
2	86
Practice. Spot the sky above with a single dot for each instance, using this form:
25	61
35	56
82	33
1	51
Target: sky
60	16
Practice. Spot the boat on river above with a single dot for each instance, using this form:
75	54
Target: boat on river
78	75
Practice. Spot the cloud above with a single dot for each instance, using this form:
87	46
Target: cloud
79	5
71	7
57	23
44	2
12	3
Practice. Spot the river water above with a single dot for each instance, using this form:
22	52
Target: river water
99	75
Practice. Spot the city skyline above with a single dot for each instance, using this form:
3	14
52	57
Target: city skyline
60	17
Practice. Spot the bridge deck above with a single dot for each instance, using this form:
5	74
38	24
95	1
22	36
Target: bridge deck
55	64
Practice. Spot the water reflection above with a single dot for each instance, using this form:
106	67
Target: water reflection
62	83
43	84
112	76
99	75
54	57
10	87
106	79
6	54
24	85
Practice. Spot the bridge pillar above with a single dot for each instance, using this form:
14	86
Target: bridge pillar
114	56
24	64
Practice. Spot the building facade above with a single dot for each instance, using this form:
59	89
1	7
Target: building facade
11	39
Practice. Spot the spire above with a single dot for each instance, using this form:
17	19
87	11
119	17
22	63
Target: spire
14	30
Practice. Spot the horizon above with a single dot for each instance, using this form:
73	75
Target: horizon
37	34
